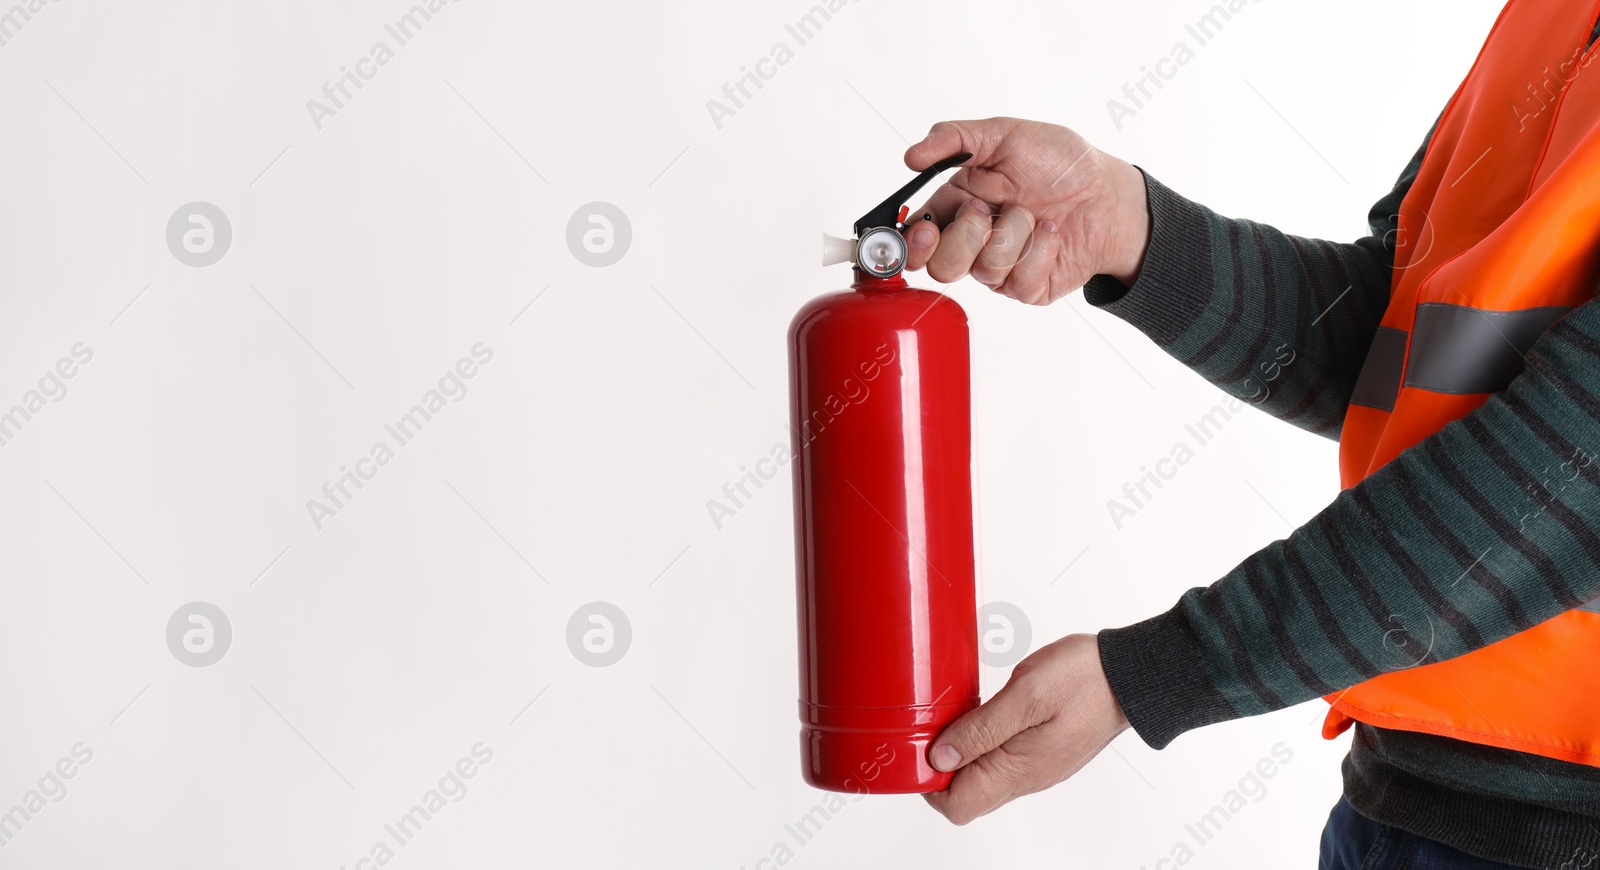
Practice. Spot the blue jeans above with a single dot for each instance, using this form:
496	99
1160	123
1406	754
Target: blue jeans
1352	841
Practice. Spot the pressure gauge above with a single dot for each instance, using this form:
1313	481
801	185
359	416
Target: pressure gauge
881	252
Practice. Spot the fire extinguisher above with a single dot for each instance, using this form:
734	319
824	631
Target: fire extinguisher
881	418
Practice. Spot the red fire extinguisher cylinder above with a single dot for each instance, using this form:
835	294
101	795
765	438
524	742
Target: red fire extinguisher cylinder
880	406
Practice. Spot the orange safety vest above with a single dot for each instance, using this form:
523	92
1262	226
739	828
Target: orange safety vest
1498	237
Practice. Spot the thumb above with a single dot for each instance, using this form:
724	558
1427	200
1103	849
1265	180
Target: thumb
985	729
946	138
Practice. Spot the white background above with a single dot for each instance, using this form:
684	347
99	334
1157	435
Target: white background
372	254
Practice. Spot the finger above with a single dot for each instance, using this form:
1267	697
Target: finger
947	138
1011	232
1029	280
922	237
934	214
979	788
1032	761
985	729
960	242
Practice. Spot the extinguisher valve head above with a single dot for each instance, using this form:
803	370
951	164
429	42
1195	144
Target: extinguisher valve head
880	248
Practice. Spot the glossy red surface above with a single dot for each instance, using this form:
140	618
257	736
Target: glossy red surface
880	408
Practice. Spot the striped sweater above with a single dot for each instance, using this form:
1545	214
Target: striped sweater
1390	574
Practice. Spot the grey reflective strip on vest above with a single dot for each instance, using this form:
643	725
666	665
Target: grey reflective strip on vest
1379	382
1461	350
1592	607
1454	349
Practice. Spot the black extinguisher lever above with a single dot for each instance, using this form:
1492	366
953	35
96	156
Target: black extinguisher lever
887	213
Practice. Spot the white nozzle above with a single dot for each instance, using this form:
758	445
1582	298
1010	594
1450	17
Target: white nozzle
836	250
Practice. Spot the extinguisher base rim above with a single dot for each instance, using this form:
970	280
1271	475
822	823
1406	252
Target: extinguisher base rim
862	762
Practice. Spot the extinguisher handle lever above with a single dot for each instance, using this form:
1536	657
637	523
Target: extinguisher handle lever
887	213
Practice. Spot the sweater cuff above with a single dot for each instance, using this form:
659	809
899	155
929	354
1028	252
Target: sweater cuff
1174	283
1158	674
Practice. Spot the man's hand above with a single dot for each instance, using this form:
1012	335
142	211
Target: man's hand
1054	715
1034	214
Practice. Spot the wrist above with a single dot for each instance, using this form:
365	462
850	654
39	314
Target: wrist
1129	230
1102	684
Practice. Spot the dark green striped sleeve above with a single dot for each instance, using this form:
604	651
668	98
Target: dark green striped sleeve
1484	529
1277	320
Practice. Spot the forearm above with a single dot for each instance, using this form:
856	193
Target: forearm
1277	320
1483	529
